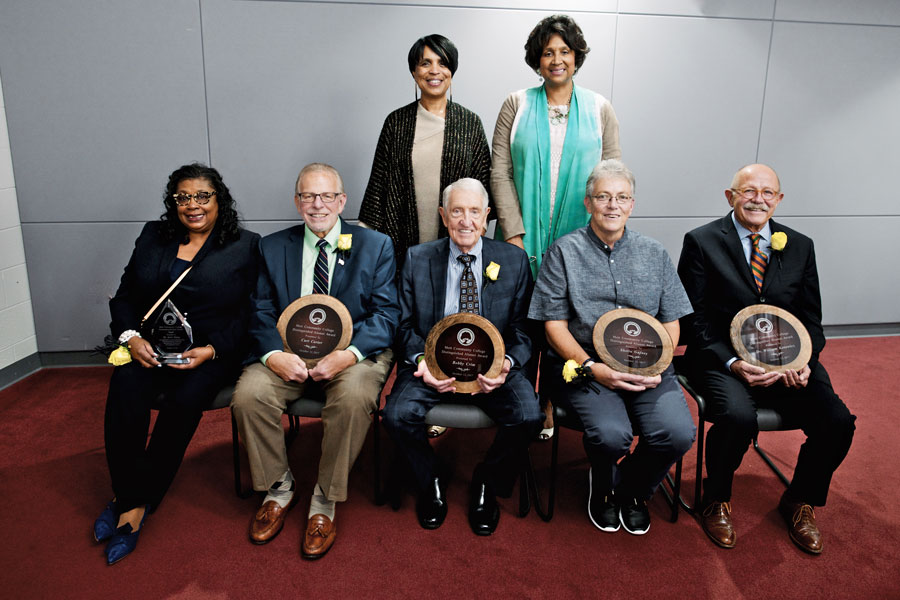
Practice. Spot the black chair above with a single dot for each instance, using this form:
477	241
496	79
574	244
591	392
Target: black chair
767	419
309	406
562	418
462	416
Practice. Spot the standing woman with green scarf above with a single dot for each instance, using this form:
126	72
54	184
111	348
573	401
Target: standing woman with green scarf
546	142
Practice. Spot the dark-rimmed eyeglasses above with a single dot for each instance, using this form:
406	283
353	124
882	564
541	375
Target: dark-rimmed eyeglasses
200	198
309	197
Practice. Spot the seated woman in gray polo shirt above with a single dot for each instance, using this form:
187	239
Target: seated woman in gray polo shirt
585	274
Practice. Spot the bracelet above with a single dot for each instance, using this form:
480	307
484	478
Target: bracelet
210	346
420	358
127	335
587	363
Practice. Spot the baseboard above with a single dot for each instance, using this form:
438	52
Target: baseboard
20	369
862	330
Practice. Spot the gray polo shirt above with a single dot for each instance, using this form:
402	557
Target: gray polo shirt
581	279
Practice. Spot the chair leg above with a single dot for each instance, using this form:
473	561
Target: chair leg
765	457
547	514
236	457
376	450
673	498
526	479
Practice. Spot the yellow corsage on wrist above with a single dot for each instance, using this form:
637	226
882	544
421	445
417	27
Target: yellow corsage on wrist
492	271
570	371
120	356
345	242
779	240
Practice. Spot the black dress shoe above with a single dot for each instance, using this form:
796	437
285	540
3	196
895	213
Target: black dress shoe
483	510
431	507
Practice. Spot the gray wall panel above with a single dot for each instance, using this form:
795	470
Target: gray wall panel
295	99
875	12
755	9
536	5
832	97
103	99
688	117
74	268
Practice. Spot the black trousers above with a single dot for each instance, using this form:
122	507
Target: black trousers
513	406
141	473
824	418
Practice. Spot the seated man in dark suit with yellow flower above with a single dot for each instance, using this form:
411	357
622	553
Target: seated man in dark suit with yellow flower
742	259
464	273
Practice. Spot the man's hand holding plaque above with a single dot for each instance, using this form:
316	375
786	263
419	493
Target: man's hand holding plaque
771	344
467	348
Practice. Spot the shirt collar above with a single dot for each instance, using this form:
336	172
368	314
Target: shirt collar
310	239
603	245
743	232
456	252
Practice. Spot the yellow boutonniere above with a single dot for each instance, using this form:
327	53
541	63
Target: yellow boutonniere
345	242
120	356
570	371
492	271
779	240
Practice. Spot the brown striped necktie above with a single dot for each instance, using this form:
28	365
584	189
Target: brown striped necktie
758	261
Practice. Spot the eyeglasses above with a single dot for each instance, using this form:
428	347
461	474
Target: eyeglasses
200	197
327	197
621	199
750	193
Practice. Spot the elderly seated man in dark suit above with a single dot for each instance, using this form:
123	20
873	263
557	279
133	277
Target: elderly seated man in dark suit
437	280
742	259
324	255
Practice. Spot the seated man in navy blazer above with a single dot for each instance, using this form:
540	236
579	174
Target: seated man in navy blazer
435	282
742	259
356	266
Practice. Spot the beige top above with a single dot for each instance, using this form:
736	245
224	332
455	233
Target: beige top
503	188
428	146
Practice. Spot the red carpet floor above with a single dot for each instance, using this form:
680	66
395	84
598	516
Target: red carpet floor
53	483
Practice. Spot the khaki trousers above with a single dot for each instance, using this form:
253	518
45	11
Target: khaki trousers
261	397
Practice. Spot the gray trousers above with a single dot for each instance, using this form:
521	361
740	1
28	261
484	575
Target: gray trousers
261	397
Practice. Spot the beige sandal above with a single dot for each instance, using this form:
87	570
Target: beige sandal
436	431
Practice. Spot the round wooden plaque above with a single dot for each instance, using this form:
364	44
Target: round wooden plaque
315	325
770	337
631	341
463	345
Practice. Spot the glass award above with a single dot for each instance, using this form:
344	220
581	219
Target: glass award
170	334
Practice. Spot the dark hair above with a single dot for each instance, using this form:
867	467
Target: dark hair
227	223
565	27
440	45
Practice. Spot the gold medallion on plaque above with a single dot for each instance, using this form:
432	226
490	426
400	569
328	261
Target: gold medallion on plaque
631	341
463	345
315	325
770	337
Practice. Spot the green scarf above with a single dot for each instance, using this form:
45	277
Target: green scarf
530	152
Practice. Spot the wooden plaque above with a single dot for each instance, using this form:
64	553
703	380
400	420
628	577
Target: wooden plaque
463	345
631	341
770	337
315	325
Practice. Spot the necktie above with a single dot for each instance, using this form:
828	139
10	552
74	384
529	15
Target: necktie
758	261
320	273
468	292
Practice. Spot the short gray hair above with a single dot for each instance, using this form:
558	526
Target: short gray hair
315	167
468	184
611	168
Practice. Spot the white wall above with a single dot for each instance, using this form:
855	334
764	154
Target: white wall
17	339
104	98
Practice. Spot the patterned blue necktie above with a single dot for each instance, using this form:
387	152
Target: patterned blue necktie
320	273
468	291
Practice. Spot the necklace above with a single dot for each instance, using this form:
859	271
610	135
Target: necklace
558	114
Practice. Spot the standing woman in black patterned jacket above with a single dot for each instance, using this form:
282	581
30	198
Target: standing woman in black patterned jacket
423	147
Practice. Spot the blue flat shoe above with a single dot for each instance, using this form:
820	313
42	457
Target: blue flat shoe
123	542
105	525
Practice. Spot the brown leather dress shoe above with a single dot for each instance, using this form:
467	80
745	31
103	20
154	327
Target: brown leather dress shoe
716	521
801	522
268	521
319	538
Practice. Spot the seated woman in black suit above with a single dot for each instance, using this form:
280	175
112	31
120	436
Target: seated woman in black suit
199	229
